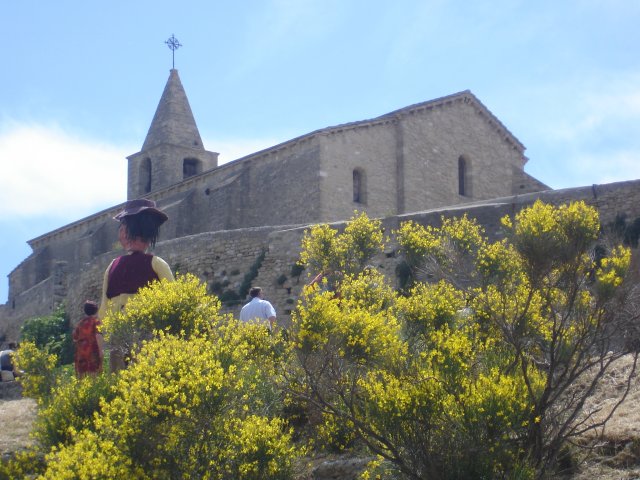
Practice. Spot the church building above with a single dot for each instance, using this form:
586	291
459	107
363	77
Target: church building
432	155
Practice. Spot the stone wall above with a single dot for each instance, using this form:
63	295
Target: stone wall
36	301
410	160
222	259
370	148
434	140
160	167
276	187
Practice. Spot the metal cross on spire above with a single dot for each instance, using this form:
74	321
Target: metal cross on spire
173	44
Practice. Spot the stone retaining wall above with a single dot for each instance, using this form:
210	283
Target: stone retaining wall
266	256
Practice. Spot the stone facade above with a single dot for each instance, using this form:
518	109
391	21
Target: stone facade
222	259
249	215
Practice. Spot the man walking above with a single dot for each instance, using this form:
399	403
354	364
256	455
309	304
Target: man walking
259	309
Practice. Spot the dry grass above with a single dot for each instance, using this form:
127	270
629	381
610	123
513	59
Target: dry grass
615	453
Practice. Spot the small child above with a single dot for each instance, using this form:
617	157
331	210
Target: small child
88	342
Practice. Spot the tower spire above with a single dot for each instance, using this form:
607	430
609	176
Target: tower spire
173	149
173	122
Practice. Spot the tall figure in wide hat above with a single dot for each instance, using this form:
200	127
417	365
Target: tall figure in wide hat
140	222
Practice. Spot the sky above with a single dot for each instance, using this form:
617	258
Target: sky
81	81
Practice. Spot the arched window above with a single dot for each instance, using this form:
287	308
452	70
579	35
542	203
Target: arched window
462	176
191	167
145	175
359	186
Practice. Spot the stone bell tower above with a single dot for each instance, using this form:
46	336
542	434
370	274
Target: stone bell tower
173	149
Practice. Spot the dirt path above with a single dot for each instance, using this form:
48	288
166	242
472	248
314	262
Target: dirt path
16	419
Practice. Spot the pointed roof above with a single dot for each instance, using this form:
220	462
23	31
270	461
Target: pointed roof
173	122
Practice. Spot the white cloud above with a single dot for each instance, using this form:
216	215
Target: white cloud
604	102
44	171
591	136
612	166
581	167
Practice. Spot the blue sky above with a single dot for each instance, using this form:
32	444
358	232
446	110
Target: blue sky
81	81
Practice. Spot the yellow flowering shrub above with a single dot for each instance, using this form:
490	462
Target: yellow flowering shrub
324	250
256	448
613	270
178	413
369	334
23	464
39	371
368	290
418	241
319	250
548	236
361	240
429	307
201	402
312	329
71	408
182	307
91	456
469	373
446	252
500	264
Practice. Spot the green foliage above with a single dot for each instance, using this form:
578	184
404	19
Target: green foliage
51	332
474	374
216	288
296	270
403	272
335	435
251	275
230	298
39	366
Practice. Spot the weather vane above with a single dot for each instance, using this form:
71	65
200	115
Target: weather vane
173	44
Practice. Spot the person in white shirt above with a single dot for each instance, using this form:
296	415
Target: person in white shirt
258	309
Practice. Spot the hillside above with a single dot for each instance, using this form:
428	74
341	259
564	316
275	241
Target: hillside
616	456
